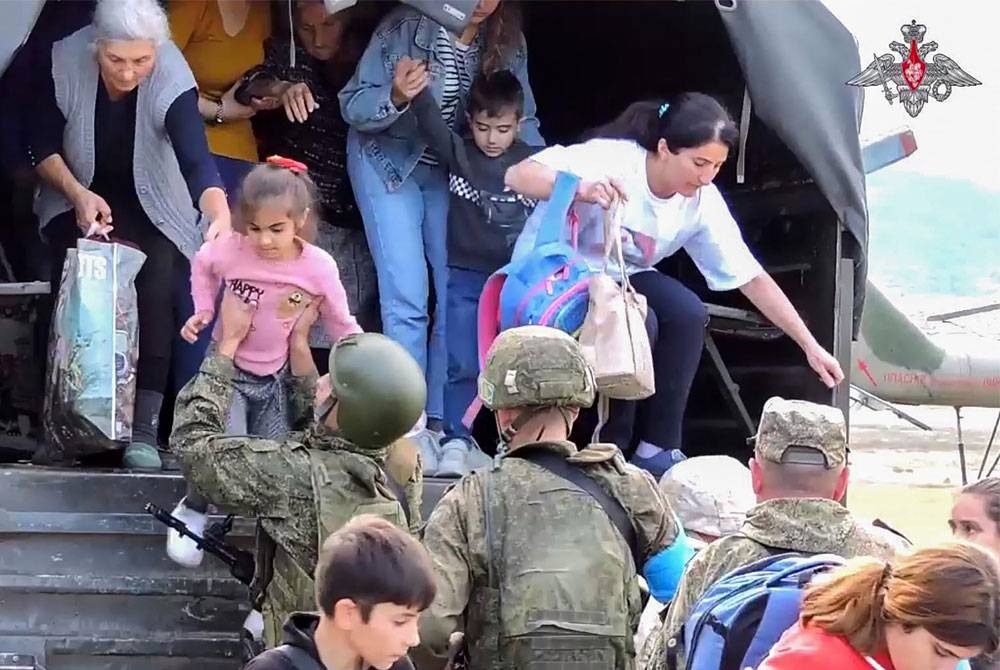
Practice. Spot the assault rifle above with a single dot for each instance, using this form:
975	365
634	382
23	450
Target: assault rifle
241	563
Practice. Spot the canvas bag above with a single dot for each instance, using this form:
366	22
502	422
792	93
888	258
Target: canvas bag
613	337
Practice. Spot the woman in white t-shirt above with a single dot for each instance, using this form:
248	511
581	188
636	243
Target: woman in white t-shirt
661	159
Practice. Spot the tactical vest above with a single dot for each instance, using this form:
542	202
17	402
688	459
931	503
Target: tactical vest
561	589
345	485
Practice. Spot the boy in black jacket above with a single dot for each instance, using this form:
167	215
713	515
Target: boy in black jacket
484	220
372	582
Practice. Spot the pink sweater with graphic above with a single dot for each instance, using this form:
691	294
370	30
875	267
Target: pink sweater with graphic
281	290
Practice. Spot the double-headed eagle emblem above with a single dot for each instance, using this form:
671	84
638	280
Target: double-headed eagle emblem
914	79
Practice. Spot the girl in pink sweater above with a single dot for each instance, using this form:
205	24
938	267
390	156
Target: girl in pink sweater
270	264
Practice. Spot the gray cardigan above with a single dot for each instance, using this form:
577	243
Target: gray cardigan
160	185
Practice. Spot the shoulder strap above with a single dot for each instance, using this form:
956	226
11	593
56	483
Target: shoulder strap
400	493
554	218
300	658
560	467
492	549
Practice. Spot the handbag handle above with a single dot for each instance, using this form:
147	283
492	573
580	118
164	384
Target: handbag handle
613	241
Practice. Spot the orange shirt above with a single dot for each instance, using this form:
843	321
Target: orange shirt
218	60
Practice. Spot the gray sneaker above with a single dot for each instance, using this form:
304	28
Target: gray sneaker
430	447
454	461
478	458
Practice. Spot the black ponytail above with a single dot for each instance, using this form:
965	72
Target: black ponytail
690	120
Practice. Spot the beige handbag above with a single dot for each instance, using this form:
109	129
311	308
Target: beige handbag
613	336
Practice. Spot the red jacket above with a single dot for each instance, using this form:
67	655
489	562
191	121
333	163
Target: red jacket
811	647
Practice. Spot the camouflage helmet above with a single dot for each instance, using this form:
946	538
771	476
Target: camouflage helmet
380	389
536	366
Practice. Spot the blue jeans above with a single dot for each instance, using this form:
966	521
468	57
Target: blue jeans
464	289
406	232
186	358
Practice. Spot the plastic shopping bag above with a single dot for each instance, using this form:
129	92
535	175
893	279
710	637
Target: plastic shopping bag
93	351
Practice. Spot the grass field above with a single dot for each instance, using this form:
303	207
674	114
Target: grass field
919	512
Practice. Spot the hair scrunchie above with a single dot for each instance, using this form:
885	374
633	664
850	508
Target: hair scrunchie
290	164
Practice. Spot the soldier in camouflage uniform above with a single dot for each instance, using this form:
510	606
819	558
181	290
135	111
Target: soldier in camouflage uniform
799	472
531	563
331	468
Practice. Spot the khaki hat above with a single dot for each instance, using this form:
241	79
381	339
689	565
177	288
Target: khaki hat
710	494
800	432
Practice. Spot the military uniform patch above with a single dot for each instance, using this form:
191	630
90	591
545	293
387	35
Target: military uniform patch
487	391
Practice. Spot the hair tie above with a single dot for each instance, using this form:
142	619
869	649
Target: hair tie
663	109
294	166
886	574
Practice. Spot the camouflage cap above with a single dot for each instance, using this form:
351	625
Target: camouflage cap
710	494
806	433
536	365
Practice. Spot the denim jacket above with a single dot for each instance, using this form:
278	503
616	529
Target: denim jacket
389	136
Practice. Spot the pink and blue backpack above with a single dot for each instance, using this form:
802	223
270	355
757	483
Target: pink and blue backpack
547	286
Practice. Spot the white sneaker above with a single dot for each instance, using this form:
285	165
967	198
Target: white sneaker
454	461
183	550
254	624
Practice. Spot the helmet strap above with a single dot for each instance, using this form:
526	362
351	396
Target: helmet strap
567	419
507	434
323	411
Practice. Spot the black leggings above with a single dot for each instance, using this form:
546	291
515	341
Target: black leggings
153	285
675	323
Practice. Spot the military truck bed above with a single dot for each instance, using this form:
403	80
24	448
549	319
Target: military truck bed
85	582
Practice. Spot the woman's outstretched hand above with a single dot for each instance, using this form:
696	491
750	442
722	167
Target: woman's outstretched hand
825	365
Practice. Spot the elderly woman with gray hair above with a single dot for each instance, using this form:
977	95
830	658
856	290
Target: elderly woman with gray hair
118	142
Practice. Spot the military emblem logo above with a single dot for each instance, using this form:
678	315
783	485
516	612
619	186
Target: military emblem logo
914	78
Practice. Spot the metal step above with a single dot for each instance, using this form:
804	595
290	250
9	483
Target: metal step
85	582
176	652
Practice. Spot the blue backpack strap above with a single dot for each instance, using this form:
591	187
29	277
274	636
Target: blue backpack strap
554	219
783	604
780	613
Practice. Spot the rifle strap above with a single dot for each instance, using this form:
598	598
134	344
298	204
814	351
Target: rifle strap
560	467
299	658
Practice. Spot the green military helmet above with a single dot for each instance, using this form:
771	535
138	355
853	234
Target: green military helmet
536	366
380	389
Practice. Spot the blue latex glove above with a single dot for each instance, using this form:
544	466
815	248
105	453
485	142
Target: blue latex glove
664	570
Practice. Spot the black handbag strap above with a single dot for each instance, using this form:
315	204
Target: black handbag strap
561	467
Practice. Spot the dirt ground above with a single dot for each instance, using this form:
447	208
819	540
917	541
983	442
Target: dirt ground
907	476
